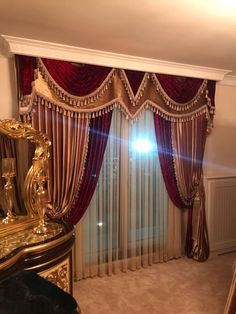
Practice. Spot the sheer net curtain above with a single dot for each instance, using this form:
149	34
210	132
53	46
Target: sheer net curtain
130	222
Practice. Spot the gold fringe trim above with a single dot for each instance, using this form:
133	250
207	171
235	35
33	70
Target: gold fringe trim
211	113
24	102
39	99
134	99
173	104
26	118
185	201
75	106
178	117
62	108
76	101
187	204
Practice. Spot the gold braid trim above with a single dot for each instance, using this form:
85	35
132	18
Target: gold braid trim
173	104
77	101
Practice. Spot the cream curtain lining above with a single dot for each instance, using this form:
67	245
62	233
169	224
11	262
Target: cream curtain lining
174	249
170	243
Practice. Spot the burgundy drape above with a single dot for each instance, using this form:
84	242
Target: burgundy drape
76	79
164	144
163	136
135	79
179	89
98	135
25	73
81	79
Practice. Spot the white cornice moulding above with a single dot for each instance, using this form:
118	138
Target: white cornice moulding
229	80
23	46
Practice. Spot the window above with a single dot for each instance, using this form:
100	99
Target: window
126	222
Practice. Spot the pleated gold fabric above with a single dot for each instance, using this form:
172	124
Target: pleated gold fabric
69	136
188	140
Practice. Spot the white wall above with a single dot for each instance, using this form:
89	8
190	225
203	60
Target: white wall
220	153
8	94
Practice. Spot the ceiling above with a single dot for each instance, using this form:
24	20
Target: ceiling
195	32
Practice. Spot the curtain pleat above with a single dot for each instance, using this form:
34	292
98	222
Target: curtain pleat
181	154
188	140
98	134
69	136
164	141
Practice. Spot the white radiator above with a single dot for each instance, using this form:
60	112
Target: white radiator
221	213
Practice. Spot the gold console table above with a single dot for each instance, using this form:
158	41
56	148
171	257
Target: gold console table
31	237
50	255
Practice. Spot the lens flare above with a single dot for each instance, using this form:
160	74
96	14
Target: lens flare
142	146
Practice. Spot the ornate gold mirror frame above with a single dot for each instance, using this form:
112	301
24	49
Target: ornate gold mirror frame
18	130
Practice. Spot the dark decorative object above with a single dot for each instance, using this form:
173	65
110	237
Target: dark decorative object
28	293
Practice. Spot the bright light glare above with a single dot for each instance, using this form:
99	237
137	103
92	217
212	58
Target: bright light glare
100	224
225	3
142	146
217	7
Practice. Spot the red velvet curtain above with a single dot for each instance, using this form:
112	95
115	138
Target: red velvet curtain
179	89
98	135
165	151
76	79
164	144
81	79
25	73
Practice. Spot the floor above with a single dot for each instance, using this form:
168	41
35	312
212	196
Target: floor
179	286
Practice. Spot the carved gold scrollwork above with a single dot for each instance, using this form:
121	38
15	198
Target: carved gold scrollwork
19	130
59	275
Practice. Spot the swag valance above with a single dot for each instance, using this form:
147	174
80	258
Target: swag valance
73	104
90	91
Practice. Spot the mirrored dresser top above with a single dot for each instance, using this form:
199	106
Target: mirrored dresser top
10	243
